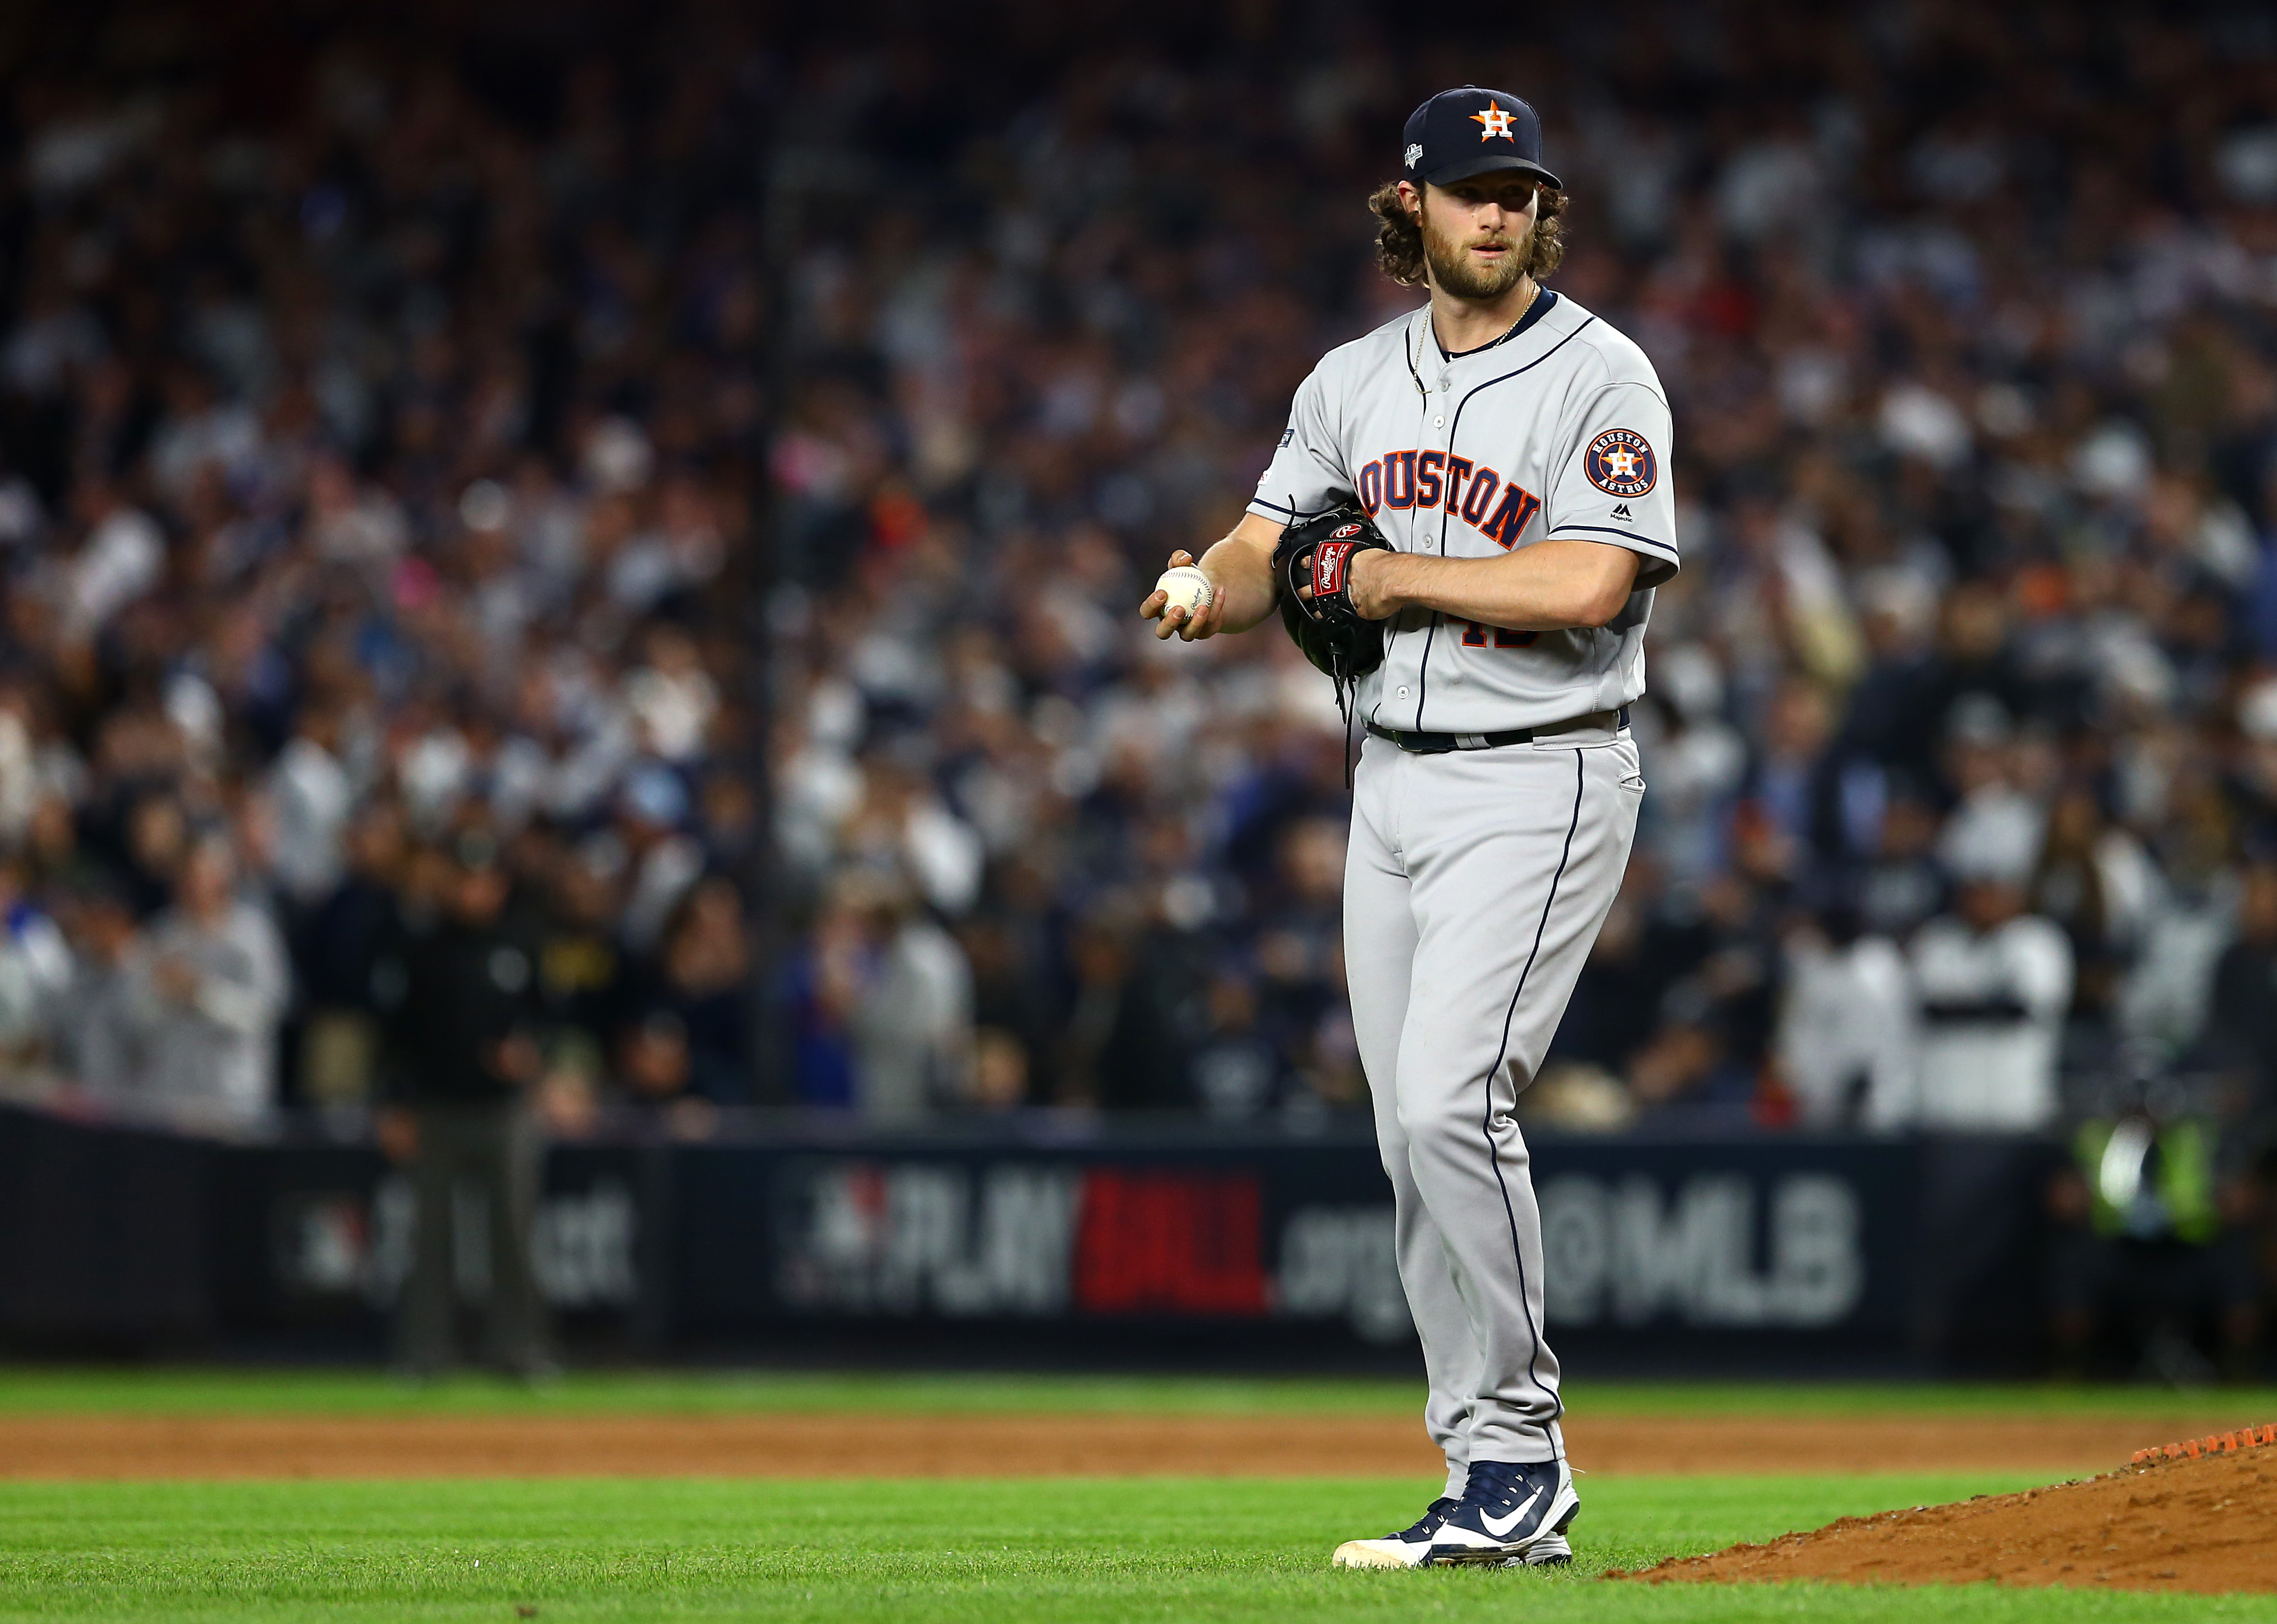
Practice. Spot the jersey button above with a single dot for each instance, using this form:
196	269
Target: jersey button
1438	423
1403	693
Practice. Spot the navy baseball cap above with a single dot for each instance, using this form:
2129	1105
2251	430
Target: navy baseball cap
1459	134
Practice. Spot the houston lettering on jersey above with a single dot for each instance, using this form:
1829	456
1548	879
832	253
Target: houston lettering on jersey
1435	478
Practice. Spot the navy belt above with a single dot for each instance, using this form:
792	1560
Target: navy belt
1440	744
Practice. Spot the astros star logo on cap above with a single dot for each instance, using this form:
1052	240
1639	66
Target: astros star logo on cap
1441	150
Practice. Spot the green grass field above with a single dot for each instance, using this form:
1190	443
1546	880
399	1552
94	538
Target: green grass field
995	1551
284	1390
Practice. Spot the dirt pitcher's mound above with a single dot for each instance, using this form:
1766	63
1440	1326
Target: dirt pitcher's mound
2207	1525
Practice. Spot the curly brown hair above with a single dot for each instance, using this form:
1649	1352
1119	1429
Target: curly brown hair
1399	238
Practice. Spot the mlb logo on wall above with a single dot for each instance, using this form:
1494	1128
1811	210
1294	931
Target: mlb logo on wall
1620	463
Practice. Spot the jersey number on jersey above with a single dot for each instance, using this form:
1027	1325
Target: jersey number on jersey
1475	637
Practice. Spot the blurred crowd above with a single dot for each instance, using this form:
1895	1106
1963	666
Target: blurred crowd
1962	737
373	469
400	445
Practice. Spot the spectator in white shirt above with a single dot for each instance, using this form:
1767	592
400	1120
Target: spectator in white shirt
213	985
903	988
121	559
1991	985
98	1025
313	796
1846	1024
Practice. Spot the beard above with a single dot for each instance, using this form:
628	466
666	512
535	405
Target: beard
1452	271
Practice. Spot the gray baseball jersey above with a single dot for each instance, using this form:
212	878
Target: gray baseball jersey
1560	428
1478	878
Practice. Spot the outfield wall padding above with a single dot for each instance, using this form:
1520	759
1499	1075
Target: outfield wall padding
810	1239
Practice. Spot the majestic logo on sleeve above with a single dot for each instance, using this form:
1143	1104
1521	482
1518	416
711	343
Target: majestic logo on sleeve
1496	121
1620	463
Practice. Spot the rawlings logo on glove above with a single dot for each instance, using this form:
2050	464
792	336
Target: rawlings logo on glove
1330	560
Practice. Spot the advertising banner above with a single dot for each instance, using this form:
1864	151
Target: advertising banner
1805	1239
310	1243
1659	1252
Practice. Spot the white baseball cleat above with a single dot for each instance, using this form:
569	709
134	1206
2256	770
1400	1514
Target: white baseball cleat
1550	1551
1508	1509
1405	1548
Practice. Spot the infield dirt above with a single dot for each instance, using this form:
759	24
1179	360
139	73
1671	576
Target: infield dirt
2207	1525
61	1448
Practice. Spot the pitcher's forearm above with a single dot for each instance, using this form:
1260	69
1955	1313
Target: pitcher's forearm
1548	587
1241	568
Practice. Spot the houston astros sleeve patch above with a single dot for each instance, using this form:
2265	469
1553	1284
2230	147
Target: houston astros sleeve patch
1612	487
1620	463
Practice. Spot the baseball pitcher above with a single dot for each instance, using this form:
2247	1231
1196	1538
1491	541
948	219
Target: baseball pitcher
1464	524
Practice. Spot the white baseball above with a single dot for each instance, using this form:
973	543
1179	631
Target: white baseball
1185	588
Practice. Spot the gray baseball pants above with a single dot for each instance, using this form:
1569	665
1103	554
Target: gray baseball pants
1475	884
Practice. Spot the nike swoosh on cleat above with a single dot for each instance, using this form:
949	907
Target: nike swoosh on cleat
1511	1522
